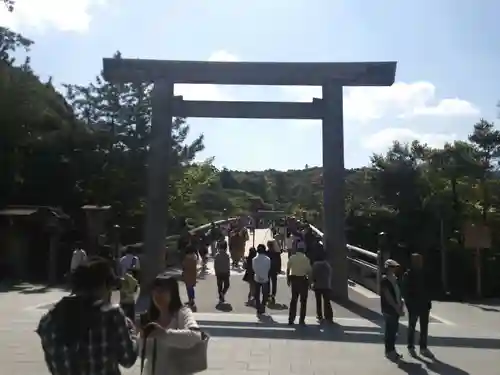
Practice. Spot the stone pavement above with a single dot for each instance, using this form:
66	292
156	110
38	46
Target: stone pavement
464	337
243	345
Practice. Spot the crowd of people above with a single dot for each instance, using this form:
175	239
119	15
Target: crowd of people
307	267
106	336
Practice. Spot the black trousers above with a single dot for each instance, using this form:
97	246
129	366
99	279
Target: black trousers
222	283
261	295
300	290
421	315
129	309
323	304
390	332
273	283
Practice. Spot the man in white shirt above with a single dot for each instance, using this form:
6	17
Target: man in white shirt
261	266
79	256
130	261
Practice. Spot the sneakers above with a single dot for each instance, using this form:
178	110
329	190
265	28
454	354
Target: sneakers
393	356
424	352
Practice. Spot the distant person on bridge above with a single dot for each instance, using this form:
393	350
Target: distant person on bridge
298	273
274	254
238	238
222	268
392	308
418	303
190	273
202	244
215	235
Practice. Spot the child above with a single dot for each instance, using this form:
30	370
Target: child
222	267
128	292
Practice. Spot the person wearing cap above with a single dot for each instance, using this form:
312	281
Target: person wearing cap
298	272
129	287
392	308
83	331
418	303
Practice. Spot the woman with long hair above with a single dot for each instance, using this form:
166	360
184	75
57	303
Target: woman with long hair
170	326
249	274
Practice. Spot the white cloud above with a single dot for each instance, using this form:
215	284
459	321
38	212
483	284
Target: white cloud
449	107
381	141
63	15
361	104
207	92
365	104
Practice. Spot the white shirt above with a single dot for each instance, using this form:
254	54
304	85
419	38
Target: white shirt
78	257
129	261
261	266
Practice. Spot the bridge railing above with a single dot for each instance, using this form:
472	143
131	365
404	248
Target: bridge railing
171	244
363	268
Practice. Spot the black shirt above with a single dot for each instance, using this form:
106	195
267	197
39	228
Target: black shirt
415	290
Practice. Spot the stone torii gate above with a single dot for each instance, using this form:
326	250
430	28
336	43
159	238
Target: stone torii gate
332	77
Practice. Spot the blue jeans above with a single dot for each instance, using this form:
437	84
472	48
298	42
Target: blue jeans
190	292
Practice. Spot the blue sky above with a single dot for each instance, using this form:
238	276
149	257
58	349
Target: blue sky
447	75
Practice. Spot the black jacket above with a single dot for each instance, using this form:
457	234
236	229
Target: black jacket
275	258
415	290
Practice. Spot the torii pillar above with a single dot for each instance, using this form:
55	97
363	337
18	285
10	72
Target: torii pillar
332	77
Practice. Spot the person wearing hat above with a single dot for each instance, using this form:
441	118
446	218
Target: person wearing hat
83	330
392	307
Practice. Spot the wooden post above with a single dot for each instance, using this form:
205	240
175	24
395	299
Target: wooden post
479	286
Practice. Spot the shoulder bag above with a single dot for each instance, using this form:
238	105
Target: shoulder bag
194	359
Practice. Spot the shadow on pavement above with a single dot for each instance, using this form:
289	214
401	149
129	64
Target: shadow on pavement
277	306
492	305
224	307
360	310
334	332
487	309
26	288
412	368
442	368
